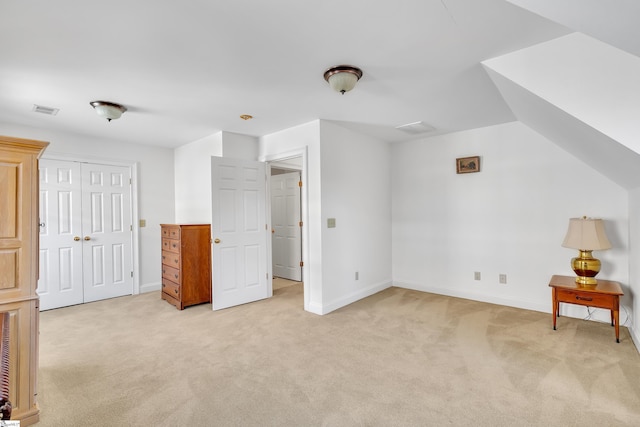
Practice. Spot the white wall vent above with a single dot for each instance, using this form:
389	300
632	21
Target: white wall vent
45	110
416	128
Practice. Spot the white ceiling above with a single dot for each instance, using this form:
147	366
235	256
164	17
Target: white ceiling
186	70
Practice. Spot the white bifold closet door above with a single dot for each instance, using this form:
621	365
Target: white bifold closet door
85	233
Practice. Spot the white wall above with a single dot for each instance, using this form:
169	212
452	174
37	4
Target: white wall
238	146
193	172
356	192
193	179
510	218
304	141
347	178
155	185
634	267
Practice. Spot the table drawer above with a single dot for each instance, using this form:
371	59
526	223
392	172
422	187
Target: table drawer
171	245
171	259
171	273
587	298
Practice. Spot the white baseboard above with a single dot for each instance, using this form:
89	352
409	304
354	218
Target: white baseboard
150	287
635	337
353	297
527	305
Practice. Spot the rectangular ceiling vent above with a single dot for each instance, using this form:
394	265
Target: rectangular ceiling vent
416	128
45	110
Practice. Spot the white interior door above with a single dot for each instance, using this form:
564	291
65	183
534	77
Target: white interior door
285	222
239	231
106	225
60	282
85	233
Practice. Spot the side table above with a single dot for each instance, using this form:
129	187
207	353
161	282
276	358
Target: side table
605	294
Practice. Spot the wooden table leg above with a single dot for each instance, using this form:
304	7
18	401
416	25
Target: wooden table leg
616	317
556	311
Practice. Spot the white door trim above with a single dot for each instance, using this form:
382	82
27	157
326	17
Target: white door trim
304	203
133	167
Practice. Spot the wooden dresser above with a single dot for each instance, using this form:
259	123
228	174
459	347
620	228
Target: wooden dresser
19	236
186	264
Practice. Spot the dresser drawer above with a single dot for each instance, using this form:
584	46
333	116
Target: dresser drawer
173	289
171	273
171	259
171	245
171	232
171	300
586	298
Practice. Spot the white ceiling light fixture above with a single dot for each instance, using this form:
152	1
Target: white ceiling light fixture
108	110
343	78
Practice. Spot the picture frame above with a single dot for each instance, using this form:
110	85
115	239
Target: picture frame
468	164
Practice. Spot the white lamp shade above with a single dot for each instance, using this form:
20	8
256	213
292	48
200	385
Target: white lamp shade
343	82
586	234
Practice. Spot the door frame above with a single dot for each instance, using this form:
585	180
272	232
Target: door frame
133	168
304	215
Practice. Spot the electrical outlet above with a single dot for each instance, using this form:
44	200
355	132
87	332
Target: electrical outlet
503	279
476	275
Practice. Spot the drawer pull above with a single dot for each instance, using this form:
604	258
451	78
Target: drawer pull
176	291
578	297
175	260
176	276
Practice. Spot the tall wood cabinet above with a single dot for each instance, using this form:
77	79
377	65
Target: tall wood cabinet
186	264
19	234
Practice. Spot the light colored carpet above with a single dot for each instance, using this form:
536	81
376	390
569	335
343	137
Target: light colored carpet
398	358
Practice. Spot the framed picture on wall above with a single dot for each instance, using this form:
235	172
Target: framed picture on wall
468	164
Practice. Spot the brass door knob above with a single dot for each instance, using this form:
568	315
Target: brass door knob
87	238
77	238
216	241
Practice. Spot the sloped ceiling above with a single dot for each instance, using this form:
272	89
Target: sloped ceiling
579	92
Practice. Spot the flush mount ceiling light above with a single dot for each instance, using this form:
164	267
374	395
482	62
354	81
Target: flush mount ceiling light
246	117
342	78
108	110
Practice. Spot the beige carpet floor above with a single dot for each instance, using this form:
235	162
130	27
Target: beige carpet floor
398	358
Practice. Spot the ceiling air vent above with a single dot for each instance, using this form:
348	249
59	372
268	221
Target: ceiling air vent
45	110
416	128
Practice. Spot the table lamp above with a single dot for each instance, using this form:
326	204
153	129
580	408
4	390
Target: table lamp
586	235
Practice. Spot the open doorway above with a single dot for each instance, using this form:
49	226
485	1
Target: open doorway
286	203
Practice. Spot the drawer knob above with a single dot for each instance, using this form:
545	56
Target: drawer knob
175	260
175	290
176	276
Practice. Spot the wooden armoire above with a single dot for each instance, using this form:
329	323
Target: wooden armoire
19	235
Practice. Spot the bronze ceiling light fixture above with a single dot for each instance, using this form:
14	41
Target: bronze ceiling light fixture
343	78
108	110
